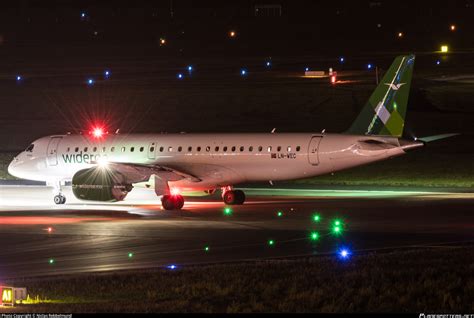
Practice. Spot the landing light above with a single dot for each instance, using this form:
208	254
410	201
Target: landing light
102	162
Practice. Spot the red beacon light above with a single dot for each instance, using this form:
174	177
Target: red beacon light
97	132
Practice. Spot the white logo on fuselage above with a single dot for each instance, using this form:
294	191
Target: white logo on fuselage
395	87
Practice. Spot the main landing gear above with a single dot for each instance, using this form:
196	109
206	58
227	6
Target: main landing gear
58	198
172	201
233	197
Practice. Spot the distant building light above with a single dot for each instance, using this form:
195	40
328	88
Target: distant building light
162	41
452	27
400	34
232	34
444	49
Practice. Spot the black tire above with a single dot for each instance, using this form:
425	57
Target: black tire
239	197
59	199
172	202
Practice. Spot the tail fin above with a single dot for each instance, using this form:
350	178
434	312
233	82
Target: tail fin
384	113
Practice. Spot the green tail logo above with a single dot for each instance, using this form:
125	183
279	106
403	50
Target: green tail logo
384	113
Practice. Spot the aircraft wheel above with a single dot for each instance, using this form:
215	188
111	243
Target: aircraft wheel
172	202
59	199
234	197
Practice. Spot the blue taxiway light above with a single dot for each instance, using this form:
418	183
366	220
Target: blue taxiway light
180	76
369	66
344	253
18	78
243	72
438	62
172	266
90	81
268	64
107	73
190	68
306	69
341	59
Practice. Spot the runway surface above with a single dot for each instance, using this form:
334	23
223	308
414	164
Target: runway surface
137	233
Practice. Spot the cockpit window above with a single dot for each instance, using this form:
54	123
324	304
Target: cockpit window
30	148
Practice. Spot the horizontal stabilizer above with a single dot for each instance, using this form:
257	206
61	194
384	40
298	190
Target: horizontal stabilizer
436	137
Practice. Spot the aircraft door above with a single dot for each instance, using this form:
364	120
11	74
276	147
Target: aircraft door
52	151
151	150
313	150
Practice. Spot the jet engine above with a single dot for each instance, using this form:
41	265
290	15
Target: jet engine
100	184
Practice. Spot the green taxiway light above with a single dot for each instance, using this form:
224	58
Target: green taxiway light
206	249
130	255
271	242
337	229
227	211
314	236
51	261
279	213
316	218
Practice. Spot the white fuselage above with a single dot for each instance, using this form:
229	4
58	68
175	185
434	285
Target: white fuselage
218	160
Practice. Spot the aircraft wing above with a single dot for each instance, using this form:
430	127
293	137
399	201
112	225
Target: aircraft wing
135	173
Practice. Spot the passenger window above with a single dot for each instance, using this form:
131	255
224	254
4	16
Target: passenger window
132	149
198	149
76	149
123	149
170	149
233	148
225	148
103	149
85	149
279	148
208	148
94	149
190	149
180	148
269	148
161	149
260	148
112	149
288	148
241	148
217	148
298	148
250	148
151	149
66	150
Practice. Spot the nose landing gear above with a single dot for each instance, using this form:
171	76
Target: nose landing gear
59	199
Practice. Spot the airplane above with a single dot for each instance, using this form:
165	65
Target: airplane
106	167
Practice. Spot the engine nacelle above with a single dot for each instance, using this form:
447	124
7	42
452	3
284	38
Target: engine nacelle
99	184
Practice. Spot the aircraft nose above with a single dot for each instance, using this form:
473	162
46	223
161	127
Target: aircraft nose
12	166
